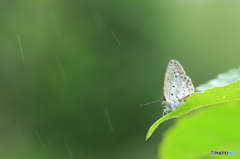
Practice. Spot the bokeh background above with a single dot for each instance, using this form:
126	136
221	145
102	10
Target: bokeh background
74	73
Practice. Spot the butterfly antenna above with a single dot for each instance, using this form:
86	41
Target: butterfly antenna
151	102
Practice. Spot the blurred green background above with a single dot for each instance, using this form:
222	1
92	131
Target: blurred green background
88	65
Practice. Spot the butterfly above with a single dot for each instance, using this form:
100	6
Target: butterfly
177	87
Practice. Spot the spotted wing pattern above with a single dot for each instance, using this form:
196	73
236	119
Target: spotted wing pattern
177	86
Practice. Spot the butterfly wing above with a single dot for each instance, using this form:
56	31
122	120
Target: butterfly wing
177	85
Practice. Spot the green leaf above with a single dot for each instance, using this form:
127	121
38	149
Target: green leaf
195	135
222	79
228	93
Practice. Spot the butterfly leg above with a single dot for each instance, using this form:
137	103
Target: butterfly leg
167	110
